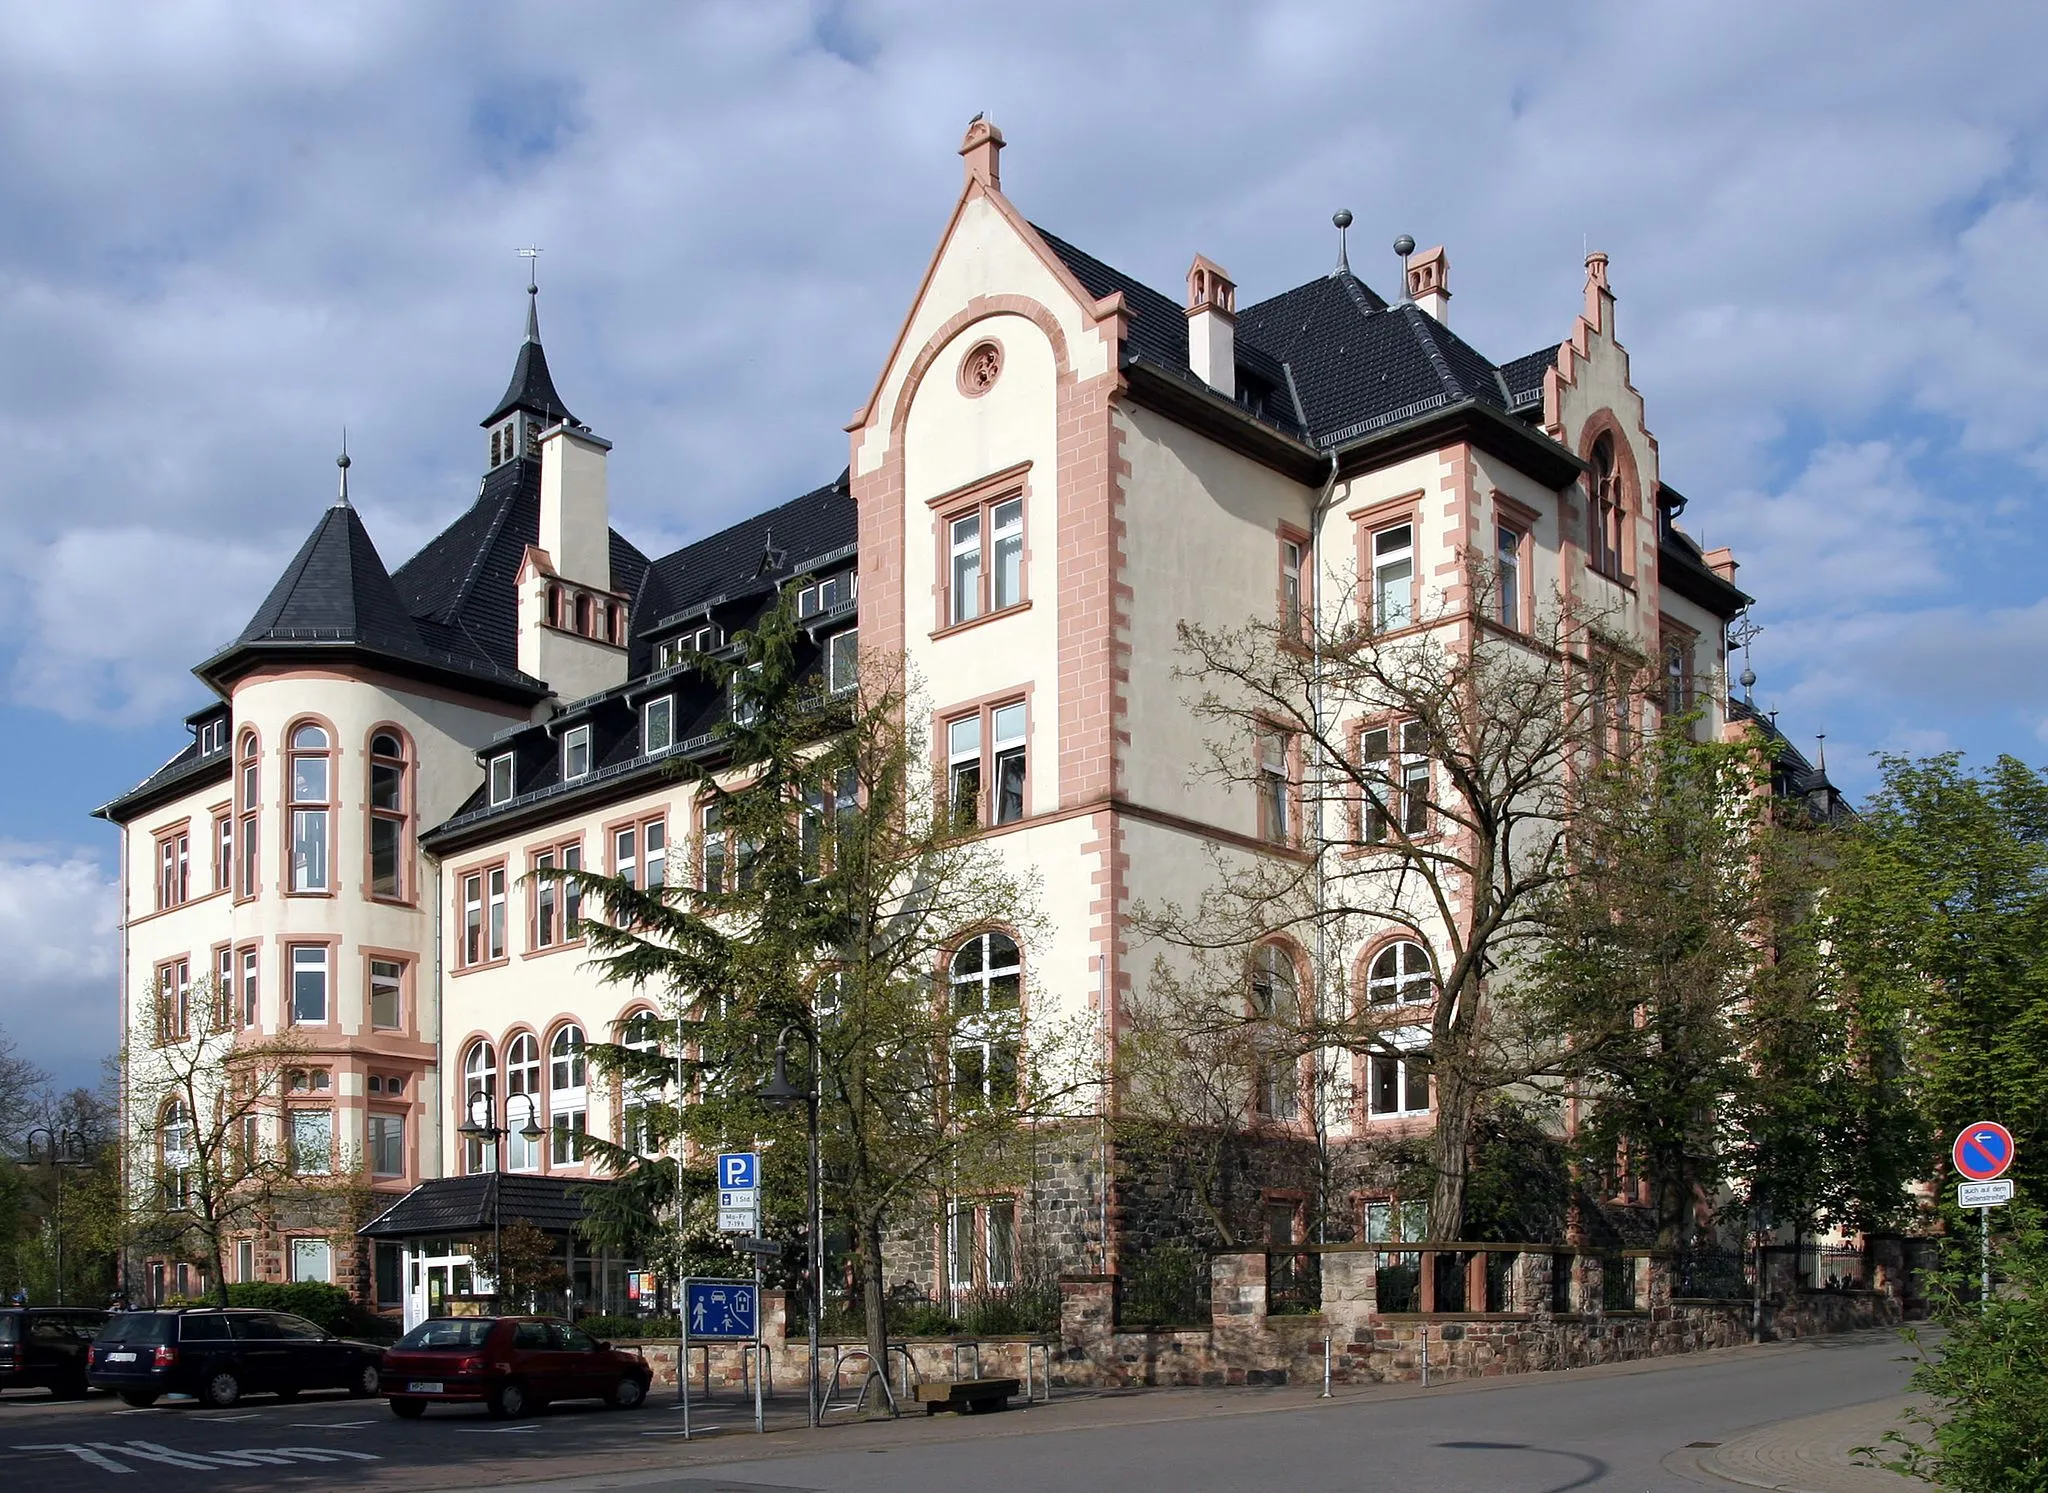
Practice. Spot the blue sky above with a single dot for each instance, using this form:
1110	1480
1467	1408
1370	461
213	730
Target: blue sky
230	230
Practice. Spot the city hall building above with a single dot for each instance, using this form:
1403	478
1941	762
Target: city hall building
1053	467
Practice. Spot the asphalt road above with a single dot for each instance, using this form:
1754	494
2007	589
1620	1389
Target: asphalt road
1612	1428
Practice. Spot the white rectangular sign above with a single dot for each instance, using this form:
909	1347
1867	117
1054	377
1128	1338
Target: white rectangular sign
739	1221
1983	1194
739	1197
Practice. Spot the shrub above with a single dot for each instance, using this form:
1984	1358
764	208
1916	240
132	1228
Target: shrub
1167	1286
630	1329
1011	1311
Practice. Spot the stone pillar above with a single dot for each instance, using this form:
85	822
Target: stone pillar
1529	1284
1087	1321
1350	1302
1237	1312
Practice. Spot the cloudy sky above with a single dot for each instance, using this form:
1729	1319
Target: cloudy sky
229	230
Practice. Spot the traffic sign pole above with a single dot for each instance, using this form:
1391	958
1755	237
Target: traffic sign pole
1981	1154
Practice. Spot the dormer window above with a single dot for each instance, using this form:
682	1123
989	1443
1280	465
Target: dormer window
213	736
824	596
658	726
501	779
576	754
505	442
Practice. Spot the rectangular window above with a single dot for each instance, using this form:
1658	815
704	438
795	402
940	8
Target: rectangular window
387	1145
576	754
963	771
1394	785
1398	1084
668	653
1414	782
248	987
711	878
567	1134
746	708
386	836
658	725
1393	578
223	1014
1002	1242
1677	674
495	912
654	851
960	1248
546	899
1276	818
842	661
1374	786
245	1260
965	590
387	991
174	991
572	893
1008	746
309	850
473	919
249	862
626	856
174	871
1006	571
1508	576
501	779
213	737
309	982
312	1154
223	851
984	559
1293	555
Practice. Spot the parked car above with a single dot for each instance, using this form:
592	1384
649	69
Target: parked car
47	1346
220	1356
510	1365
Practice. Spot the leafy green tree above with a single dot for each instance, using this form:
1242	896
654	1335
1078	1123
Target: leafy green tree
817	916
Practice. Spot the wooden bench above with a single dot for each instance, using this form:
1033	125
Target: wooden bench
967	1396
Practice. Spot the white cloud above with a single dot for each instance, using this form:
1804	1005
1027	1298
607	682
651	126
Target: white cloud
58	916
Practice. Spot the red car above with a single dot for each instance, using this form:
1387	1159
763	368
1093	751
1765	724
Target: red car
510	1365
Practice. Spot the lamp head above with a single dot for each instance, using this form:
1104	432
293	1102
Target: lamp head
779	1091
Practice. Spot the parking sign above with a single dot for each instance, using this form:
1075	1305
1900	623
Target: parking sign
738	1170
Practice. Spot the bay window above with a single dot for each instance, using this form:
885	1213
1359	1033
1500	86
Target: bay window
309	983
311	779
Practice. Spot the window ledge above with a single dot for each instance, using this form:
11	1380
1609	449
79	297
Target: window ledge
972	622
546	949
471	969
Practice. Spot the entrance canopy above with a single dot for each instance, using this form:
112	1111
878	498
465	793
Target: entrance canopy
465	1207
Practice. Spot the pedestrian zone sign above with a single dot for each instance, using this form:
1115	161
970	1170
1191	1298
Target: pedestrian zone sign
1983	1151
720	1309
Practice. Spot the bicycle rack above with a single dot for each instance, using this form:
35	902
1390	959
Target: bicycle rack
842	1354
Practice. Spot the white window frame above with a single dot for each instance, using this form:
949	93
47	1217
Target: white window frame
496	914
1393	577
1508	576
842	661
319	963
575	751
392	983
744	711
524	1071
1276	786
1408	1079
379	1121
502	779
317	1126
1413	981
658	725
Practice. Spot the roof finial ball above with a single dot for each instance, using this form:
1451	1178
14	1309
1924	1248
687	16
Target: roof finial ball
1404	246
1341	220
341	461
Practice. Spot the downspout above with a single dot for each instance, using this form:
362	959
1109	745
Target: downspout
440	1057
127	1075
1315	549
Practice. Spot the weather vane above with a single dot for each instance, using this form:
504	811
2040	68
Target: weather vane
532	258
1745	631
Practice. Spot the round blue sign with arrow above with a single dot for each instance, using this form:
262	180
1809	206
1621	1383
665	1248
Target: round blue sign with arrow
1983	1151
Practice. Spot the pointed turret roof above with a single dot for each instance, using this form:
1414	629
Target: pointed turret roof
531	389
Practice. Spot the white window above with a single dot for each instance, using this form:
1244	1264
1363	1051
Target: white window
1276	798
990	791
842	660
711	873
223	1014
312	1259
654	851
1397	1083
312	1132
987	980
245	1259
568	1095
642	1092
1001	1216
1008	721
669	652
311	785
174	870
252	771
1508	576
387	987
213	736
522	1078
1396	784
501	779
387	1145
626	855
494	912
309	983
479	1081
658	725
1006	539
963	770
960	1247
223	852
824	596
576	754
473	919
249	987
966	571
746	708
1273	1000
1393	578
1400	976
1292	554
387	816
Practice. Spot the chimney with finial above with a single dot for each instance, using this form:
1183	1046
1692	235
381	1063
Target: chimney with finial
1599	294
1429	283
1212	325
982	150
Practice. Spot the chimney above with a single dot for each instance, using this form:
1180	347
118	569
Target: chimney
575	513
1599	294
1722	563
983	152
1212	326
1429	283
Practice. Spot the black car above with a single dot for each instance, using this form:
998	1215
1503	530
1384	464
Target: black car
47	1346
220	1356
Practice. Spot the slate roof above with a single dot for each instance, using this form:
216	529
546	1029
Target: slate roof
730	563
468	1205
185	771
531	389
1524	375
1792	775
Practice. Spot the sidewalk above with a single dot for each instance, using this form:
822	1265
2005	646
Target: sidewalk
1814	1454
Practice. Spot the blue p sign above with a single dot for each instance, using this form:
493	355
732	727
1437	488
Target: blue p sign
738	1169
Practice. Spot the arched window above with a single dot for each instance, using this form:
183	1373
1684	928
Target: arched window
987	976
583	615
568	1096
1275	1001
312	790
176	1134
388	800
1605	540
641	1036
554	606
479	1077
249	792
1400	976
522	1078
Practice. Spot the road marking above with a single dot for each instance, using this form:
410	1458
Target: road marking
83	1453
331	1425
221	1420
102	1454
498	1430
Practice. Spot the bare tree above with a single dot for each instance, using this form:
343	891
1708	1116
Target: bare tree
213	1148
1441	764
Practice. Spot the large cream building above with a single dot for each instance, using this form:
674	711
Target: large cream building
1054	467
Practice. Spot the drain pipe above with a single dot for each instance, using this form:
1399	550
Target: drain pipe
1317	512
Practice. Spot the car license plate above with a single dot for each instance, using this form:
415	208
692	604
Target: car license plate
120	1358
423	1387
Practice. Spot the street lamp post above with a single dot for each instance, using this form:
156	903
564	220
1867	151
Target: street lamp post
67	1148
488	1128
779	1091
